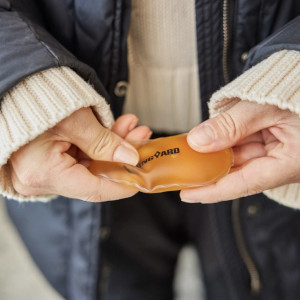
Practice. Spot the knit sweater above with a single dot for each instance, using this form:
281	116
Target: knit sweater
42	100
162	53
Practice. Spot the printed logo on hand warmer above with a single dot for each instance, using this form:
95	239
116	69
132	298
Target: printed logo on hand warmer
158	155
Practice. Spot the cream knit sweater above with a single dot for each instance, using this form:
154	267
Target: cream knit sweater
163	88
42	100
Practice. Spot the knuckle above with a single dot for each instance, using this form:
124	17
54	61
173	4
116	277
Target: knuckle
293	176
255	187
97	194
96	197
22	189
101	145
30	179
248	190
228	127
291	172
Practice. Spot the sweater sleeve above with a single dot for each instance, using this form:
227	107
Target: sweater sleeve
273	81
36	104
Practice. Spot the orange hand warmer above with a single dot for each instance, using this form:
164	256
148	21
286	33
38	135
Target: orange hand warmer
167	164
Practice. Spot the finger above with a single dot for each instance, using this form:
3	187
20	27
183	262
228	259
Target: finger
241	182
227	129
245	152
125	127
138	134
83	130
125	124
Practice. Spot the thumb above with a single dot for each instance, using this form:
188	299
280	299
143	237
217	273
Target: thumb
84	130
103	144
225	130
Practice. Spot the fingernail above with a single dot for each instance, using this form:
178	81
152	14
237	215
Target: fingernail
201	136
148	136
127	154
133	123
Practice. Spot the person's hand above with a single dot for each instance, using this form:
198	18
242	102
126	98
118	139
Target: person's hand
56	162
266	148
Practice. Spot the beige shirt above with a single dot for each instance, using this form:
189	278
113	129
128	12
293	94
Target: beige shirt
163	71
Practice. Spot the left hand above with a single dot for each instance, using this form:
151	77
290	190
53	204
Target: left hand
266	149
55	163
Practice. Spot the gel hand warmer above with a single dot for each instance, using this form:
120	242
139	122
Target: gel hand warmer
167	164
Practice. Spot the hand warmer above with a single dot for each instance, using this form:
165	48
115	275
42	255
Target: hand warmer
167	164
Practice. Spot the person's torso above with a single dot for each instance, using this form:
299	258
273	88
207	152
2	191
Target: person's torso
96	32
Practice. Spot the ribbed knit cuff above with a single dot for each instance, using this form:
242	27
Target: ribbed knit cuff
36	104
274	81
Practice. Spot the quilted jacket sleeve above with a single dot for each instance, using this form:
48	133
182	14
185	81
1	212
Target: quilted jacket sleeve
27	48
286	38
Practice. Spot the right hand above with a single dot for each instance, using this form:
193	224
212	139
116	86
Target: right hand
266	148
56	161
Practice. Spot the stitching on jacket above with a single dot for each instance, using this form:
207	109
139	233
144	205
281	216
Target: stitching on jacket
49	49
37	37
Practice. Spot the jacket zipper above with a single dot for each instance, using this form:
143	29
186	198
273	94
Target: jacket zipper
226	40
255	282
